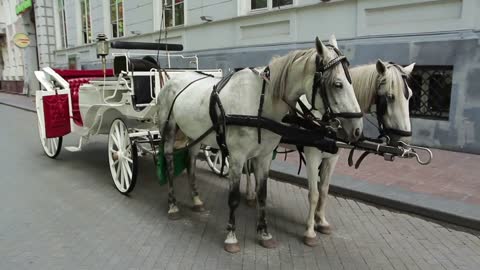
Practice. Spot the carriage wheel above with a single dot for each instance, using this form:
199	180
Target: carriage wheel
214	160
122	157
51	146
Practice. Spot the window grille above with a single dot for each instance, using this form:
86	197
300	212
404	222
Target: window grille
432	88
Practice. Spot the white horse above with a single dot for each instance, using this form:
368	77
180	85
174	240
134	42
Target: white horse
184	103
383	83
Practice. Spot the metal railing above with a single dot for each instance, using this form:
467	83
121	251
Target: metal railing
432	87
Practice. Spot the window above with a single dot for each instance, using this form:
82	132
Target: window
432	88
86	22
62	22
116	18
269	4
174	13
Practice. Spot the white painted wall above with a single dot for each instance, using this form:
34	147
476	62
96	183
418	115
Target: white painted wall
235	25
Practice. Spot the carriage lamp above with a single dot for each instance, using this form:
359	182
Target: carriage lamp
102	50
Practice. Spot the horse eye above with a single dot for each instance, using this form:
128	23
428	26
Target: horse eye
338	84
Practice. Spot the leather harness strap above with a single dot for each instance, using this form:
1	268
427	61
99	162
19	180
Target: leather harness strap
319	85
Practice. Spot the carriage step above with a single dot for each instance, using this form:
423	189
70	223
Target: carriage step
73	148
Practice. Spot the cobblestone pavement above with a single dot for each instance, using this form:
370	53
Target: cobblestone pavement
66	214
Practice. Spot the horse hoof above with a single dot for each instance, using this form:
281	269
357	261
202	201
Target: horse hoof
251	203
232	248
198	208
270	243
174	215
325	229
310	241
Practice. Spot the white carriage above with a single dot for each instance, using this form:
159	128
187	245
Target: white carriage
119	104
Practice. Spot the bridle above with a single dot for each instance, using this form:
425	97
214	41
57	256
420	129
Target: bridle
319	85
382	103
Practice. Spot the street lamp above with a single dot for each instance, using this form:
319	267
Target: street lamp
102	50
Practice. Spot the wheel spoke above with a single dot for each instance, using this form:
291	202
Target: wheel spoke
50	148
118	172
128	169
217	159
128	159
125	182
115	140
55	143
119	136
122	175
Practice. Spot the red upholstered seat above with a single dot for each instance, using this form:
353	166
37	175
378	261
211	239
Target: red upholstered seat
90	73
74	87
75	79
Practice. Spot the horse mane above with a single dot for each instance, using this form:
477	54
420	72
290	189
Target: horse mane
366	80
280	67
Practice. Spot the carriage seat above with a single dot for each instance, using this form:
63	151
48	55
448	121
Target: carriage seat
141	84
75	79
122	63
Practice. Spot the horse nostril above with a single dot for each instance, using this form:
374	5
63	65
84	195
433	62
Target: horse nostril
357	133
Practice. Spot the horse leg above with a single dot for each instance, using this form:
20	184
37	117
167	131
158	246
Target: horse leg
313	159
192	158
235	172
169	142
326	170
250	182
261	168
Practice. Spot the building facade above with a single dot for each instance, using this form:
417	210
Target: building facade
33	20
441	36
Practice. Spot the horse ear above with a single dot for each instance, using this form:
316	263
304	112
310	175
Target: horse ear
321	49
333	41
408	69
381	67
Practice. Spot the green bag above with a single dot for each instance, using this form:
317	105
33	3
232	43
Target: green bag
180	161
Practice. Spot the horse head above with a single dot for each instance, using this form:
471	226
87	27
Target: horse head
332	92
392	100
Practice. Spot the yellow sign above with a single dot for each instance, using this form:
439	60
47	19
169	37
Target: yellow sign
21	40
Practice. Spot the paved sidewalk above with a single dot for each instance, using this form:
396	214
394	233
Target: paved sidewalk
18	101
448	189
